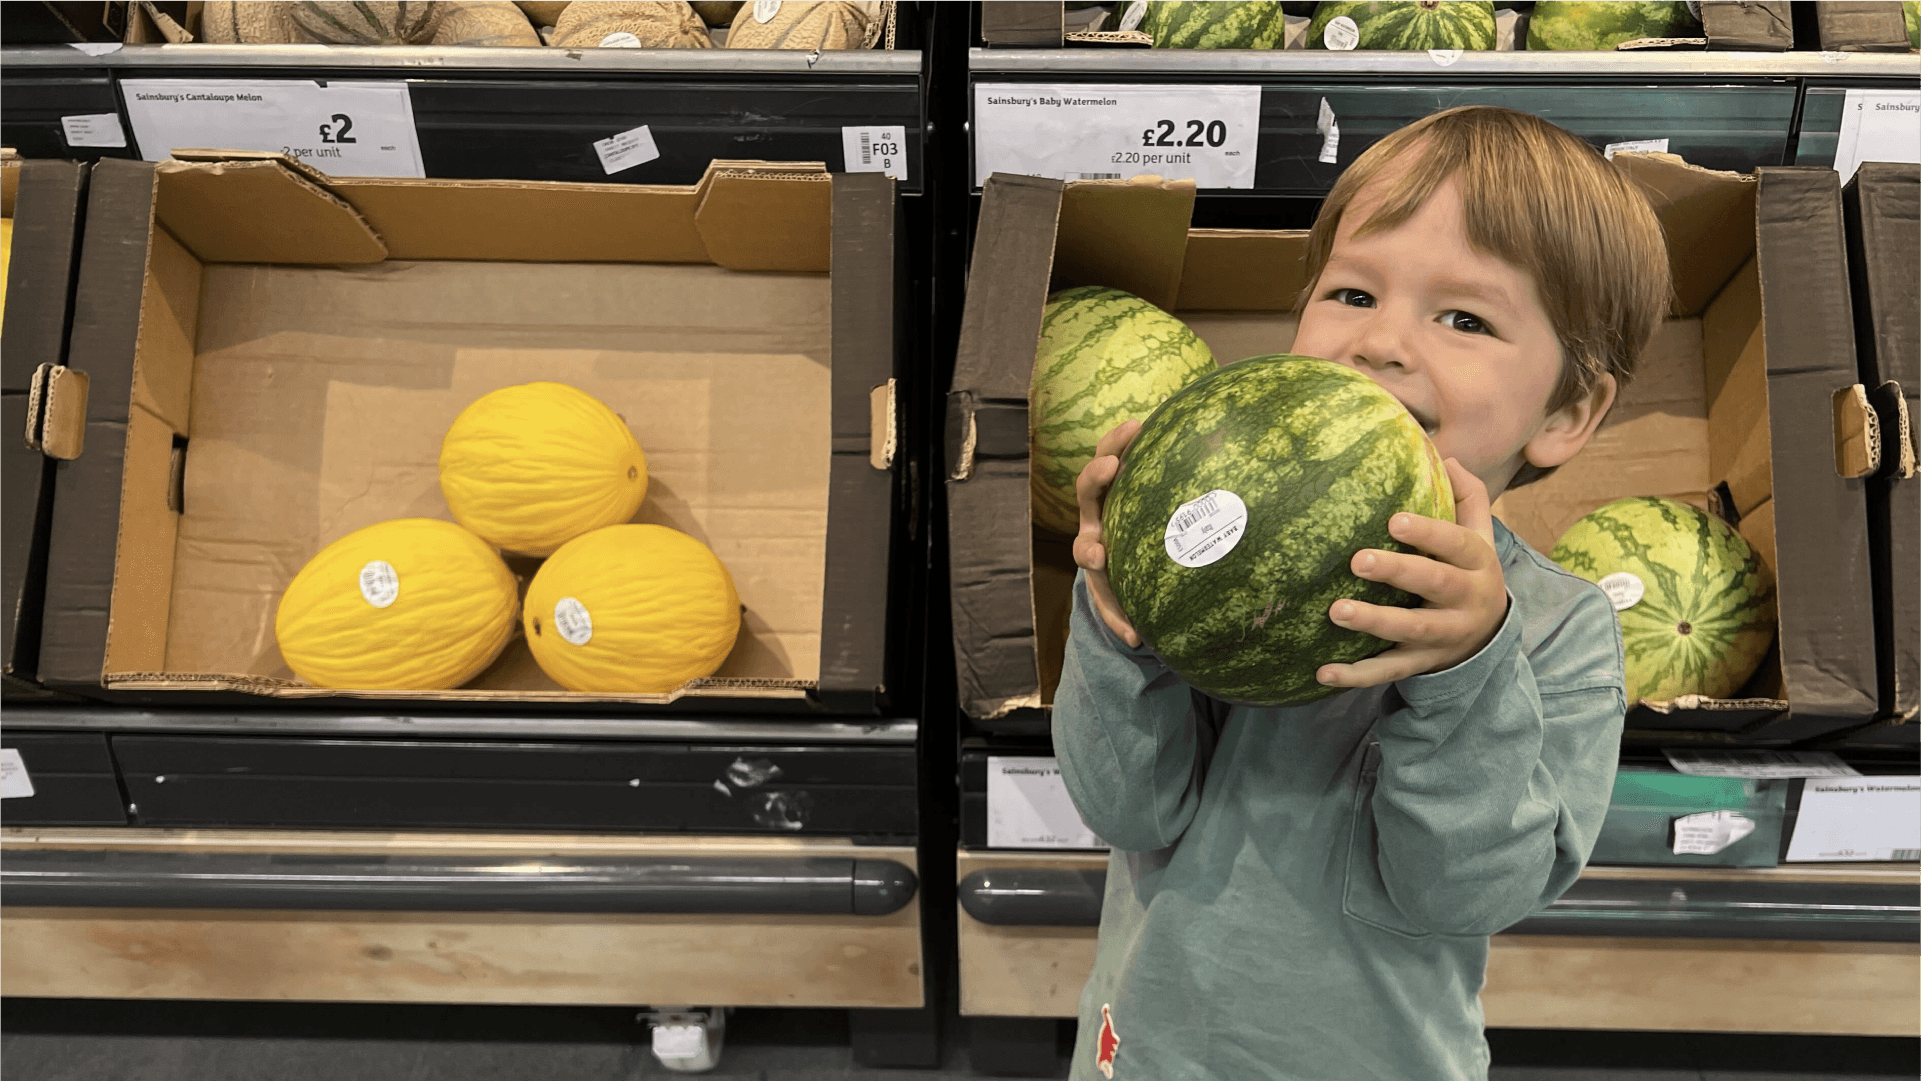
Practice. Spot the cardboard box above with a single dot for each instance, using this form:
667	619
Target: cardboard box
1735	393
1883	205
1849	26
41	200
276	354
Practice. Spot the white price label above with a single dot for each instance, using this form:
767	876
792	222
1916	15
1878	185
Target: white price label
679	1041
875	150
94	129
342	128
13	775
1204	530
1089	132
1878	125
1340	34
1635	146
1709	832
620	39
1444	57
626	150
573	622
1858	818
1624	589
380	583
1759	765
1330	129
1028	806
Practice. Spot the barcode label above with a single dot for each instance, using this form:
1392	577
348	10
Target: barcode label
1904	854
1759	764
875	150
1098	176
1202	531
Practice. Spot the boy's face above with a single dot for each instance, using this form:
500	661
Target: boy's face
1459	337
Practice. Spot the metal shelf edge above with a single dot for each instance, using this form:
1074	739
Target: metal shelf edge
288	722
404	60
1647	65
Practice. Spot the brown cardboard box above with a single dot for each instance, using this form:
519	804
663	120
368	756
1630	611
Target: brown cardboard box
1725	395
1851	26
275	356
1883	204
41	199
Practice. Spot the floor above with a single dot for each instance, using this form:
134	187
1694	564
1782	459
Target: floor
86	1040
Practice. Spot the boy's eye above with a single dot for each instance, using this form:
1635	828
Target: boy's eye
1353	298
1465	323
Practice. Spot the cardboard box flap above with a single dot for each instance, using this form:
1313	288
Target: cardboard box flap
9	185
517	221
761	216
1125	234
1708	217
1243	270
57	412
260	209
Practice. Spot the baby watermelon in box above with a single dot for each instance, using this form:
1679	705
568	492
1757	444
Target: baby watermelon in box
1238	509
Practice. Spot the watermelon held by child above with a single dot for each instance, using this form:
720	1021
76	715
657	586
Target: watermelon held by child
1239	508
1580	24
1104	357
1696	604
1429	24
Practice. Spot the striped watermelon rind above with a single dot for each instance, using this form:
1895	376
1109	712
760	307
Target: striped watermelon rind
1105	356
1707	617
1214	24
1428	24
1323	457
1582	25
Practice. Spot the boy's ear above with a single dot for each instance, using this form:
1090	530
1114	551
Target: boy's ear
1569	428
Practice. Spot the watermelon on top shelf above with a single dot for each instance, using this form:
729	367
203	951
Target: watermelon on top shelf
1238	509
1104	357
1696	604
1214	24
1429	24
1579	24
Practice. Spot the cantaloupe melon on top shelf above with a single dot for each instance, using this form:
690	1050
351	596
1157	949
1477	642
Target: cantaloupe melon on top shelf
810	25
358	22
497	23
248	22
633	25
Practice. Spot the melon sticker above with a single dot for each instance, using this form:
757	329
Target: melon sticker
620	39
379	583
573	622
765	10
1340	33
1204	530
1624	589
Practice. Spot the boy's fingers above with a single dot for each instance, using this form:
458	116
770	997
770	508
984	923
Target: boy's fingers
1445	541
1432	580
1089	552
1109	609
1117	438
1472	509
1381	668
1414	626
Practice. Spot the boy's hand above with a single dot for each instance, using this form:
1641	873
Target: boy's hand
1465	593
1090	489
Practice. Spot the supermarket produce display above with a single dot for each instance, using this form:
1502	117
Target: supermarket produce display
647	514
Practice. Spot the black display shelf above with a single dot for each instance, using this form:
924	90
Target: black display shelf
522	114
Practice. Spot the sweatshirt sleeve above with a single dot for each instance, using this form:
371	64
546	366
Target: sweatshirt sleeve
1495	774
1132	738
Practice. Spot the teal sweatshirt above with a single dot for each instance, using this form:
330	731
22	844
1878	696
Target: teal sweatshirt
1307	893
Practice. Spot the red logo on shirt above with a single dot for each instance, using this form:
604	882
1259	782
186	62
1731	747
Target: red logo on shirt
1109	1043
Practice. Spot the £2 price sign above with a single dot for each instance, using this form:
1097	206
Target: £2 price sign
1085	132
342	128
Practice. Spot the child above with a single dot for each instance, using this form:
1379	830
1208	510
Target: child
1307	892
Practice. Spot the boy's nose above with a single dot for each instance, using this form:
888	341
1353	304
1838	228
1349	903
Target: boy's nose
1382	344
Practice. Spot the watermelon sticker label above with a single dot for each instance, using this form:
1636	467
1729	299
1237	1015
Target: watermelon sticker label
380	583
573	622
1204	530
1709	832
1624	589
1340	33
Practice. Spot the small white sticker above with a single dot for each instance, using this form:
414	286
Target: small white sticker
1624	589
626	150
1131	18
94	129
1341	34
1330	130
679	1041
13	775
1709	832
765	10
1204	530
620	39
572	621
379	583
875	150
1759	764
1444	57
1635	146
95	48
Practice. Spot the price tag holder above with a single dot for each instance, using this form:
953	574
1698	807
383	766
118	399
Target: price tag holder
632	147
1878	125
1072	131
14	780
94	129
341	128
875	150
1028	806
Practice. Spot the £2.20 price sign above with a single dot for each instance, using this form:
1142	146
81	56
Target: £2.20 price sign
342	128
1084	132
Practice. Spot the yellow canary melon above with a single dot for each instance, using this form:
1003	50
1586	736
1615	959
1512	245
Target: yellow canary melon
414	604
531	467
631	608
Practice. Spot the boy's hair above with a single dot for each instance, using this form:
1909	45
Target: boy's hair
1539	198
